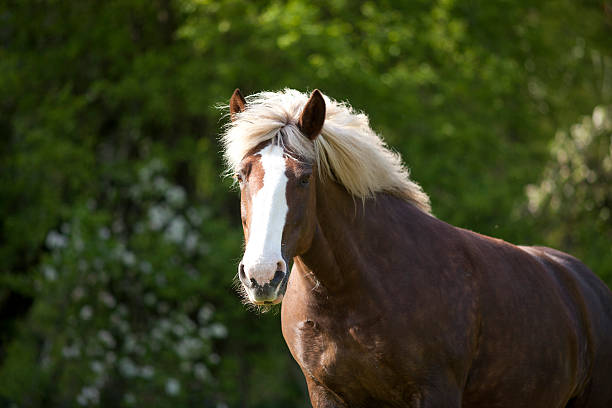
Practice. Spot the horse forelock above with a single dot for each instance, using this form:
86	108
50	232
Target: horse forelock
347	151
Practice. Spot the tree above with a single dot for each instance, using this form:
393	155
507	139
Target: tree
572	202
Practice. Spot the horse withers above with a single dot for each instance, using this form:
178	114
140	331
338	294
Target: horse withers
387	306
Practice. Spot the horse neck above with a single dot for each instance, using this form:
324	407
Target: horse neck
353	240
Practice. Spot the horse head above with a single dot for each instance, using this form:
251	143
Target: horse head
277	204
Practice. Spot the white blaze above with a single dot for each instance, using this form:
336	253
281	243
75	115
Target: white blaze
269	211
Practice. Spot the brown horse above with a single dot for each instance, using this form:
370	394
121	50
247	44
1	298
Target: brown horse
387	306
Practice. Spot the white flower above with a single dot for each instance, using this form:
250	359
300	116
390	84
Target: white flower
128	258
175	196
191	242
159	216
173	387
176	230
157	334
205	313
49	272
106	338
127	367
107	299
188	347
194	216
88	395
187	323
179	330
204	332
218	330
104	233
97	366
147	372
161	184
71	351
56	240
129	343
86	312
599	117
201	372
165	324
119	323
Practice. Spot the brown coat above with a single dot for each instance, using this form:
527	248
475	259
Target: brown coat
391	307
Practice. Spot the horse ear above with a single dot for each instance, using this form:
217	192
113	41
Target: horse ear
237	103
313	115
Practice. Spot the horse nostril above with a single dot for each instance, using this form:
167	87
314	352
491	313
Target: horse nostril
278	277
241	273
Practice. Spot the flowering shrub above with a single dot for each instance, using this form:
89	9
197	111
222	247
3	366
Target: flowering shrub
120	300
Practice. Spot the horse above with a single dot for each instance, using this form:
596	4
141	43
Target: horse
386	305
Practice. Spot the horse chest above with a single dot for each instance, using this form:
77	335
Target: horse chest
345	357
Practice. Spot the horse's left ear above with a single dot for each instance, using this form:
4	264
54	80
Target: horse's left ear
313	115
237	103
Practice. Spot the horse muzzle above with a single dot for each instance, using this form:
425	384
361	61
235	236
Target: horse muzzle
264	283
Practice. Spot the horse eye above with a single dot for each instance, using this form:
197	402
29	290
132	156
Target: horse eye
305	180
238	177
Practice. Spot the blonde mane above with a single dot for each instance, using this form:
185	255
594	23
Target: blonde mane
347	150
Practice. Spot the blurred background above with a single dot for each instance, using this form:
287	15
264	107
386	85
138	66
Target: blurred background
119	239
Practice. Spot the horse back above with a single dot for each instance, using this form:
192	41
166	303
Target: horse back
590	302
545	328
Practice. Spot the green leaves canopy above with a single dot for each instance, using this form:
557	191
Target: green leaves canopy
110	163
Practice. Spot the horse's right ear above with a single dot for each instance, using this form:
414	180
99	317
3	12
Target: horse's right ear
237	103
313	115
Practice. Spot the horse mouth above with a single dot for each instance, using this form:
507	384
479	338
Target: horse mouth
269	302
266	295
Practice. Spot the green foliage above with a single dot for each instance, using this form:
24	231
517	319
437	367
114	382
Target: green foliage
573	201
121	311
119	239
